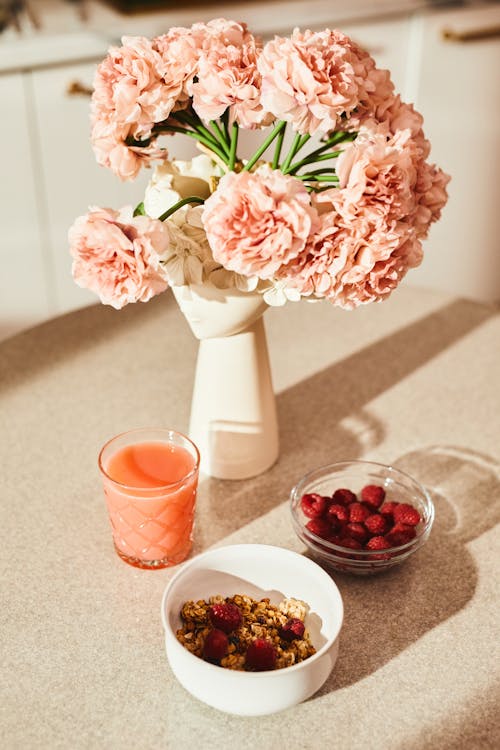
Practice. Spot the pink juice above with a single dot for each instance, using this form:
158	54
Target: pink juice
150	490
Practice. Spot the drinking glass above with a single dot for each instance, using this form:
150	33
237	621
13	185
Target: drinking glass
150	478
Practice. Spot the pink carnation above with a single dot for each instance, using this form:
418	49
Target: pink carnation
376	99
312	78
256	222
370	225
129	88
431	195
384	111
179	51
117	257
387	162
314	271
111	150
353	260
402	116
227	74
358	285
435	196
130	96
398	116
381	172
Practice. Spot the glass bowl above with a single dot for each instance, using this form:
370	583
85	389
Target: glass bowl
398	487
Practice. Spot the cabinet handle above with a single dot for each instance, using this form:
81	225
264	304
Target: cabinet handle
77	88
471	35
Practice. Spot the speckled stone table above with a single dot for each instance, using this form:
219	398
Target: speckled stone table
414	381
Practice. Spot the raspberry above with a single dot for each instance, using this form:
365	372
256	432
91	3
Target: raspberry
358	513
348	541
378	542
387	509
261	655
344	497
215	646
376	524
407	514
292	629
336	527
356	531
226	617
351	544
313	505
373	495
339	512
320	527
401	534
335	539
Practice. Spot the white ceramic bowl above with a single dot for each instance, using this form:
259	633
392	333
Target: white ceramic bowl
258	571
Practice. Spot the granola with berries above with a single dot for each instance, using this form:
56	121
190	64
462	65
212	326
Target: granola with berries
242	633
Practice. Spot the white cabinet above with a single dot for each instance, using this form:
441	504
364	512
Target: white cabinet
459	95
24	272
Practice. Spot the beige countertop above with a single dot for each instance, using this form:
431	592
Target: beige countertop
413	381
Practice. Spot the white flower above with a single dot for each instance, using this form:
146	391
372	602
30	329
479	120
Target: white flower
192	225
174	180
183	269
183	261
278	294
221	278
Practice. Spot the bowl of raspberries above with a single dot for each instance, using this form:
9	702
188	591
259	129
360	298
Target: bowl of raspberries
361	517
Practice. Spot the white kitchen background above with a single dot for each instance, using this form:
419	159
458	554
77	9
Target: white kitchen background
444	57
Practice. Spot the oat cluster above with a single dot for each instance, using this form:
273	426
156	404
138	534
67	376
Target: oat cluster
260	619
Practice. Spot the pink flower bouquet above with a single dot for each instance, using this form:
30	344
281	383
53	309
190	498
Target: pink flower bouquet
340	213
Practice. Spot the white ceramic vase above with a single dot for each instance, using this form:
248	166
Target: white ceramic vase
233	410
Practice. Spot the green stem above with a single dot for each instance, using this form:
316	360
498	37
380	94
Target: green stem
221	136
131	141
317	177
278	147
179	204
280	127
234	146
323	170
304	140
196	124
196	135
340	137
311	160
225	121
293	150
315	189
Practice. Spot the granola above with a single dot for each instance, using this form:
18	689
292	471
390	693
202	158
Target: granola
260	619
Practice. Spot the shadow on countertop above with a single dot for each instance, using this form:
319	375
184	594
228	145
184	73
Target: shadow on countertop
28	353
434	584
324	418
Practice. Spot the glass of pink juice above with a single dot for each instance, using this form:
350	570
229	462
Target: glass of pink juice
150	477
